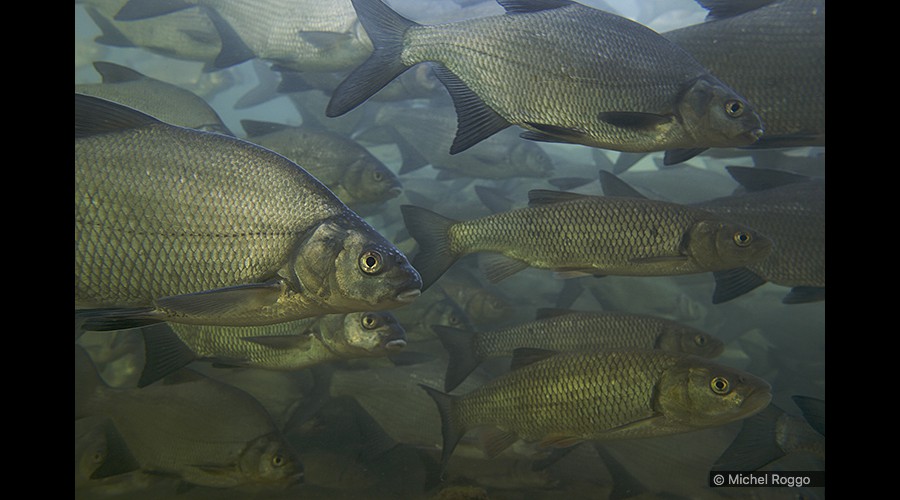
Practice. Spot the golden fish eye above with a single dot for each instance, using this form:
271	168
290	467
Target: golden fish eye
734	108
742	238
277	460
720	385
700	340
369	321
370	262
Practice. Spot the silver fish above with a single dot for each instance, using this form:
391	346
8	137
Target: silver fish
349	170
573	233
292	345
299	35
773	55
181	225
571	397
563	71
169	103
203	431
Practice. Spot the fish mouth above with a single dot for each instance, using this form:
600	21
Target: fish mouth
408	296
395	344
394	192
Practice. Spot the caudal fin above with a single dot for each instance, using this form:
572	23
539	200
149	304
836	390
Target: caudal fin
432	232
386	29
460	346
451	430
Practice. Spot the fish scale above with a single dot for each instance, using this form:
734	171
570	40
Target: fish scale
580	395
576	330
565	72
141	218
580	234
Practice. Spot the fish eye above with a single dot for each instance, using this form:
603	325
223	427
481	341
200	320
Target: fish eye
720	385
369	321
371	262
742	238
453	319
700	340
377	176
277	460
734	108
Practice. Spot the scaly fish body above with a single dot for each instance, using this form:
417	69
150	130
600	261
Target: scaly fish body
572	331
602	395
204	228
775	57
206	432
353	174
793	216
587	234
563	71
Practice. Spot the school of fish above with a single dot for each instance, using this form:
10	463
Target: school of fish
361	249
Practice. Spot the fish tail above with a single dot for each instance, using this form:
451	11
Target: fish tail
756	445
165	353
460	346
432	232
451	429
87	381
386	29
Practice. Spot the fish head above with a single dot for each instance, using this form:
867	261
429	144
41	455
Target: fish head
269	459
369	180
346	266
714	115
446	312
371	333
679	338
717	245
530	159
696	392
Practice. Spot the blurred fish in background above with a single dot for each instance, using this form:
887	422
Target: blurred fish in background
339	397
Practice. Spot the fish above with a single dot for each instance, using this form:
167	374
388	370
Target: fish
562	71
205	432
559	231
566	330
298	35
186	35
790	210
433	308
292	345
100	452
773	55
167	102
349	170
562	399
774	433
424	138
180	225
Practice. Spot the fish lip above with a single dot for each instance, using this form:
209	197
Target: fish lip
409	295
395	192
395	344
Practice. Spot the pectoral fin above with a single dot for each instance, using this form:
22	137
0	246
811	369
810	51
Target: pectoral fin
227	301
634	120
